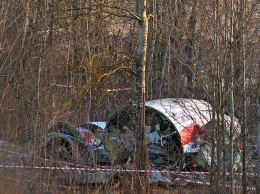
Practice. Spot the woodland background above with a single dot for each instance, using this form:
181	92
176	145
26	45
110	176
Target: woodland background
74	60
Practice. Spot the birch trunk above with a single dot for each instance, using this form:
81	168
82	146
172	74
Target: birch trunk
141	157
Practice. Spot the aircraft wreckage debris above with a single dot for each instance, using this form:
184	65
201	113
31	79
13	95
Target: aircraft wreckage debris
177	134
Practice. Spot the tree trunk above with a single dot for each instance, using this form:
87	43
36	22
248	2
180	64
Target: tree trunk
141	157
150	60
216	114
231	98
258	135
189	50
26	23
243	127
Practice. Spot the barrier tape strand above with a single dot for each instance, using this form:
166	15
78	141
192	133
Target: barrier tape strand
112	170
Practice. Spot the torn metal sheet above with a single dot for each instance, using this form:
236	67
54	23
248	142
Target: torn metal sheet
182	112
70	144
163	140
161	178
191	117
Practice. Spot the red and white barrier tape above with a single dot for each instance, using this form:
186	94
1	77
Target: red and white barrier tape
98	169
120	170
112	170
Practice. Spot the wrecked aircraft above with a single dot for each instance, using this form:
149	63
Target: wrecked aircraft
177	134
177	131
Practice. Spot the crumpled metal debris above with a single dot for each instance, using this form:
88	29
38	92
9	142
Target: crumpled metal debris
162	178
176	131
163	141
85	178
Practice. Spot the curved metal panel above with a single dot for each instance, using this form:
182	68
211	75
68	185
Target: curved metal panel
183	112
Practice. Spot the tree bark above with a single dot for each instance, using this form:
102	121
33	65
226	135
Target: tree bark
141	157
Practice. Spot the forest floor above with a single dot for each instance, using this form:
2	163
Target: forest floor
17	177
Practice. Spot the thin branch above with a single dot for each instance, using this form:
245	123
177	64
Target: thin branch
115	70
113	6
167	24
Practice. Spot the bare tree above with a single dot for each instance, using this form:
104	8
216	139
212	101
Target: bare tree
141	157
